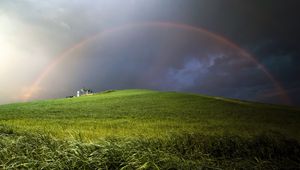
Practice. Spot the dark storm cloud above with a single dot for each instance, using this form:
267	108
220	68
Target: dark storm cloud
210	67
268	29
157	58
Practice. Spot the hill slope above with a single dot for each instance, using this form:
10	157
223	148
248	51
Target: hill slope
131	113
144	129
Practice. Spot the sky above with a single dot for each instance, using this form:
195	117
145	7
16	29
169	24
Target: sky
240	49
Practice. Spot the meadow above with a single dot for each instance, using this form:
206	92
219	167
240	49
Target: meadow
145	129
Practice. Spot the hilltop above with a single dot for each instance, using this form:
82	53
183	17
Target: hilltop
149	113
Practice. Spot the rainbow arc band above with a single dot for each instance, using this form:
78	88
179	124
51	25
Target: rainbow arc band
221	39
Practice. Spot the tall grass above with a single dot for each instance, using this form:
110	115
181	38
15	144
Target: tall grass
185	151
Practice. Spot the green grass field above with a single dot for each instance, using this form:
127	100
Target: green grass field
146	129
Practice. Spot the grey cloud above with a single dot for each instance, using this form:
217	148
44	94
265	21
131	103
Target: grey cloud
185	77
35	32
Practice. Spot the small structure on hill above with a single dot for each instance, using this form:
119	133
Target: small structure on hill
83	92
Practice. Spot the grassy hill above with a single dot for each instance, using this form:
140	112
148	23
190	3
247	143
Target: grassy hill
147	129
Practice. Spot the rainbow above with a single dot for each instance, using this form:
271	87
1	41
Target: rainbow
33	89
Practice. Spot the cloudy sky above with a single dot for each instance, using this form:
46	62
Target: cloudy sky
235	48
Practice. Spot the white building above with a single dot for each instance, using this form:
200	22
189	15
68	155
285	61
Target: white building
84	91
